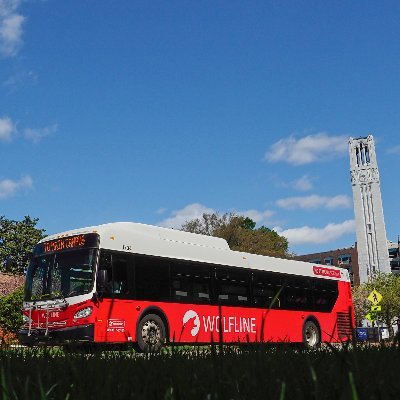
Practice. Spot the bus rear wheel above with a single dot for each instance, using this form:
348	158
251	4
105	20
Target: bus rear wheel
150	333
311	335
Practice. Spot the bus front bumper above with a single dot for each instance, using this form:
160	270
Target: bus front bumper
83	333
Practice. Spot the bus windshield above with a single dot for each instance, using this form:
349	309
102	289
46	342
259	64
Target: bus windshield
60	274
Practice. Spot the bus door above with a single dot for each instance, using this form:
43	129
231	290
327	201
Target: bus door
114	317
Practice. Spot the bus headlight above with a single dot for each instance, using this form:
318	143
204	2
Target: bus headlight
25	319
84	313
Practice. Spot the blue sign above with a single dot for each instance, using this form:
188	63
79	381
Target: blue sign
362	333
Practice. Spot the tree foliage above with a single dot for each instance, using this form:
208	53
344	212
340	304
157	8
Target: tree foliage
241	234
388	285
10	311
17	239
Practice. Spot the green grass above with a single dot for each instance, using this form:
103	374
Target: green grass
202	373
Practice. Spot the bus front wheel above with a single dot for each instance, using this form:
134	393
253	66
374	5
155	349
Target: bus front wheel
150	333
311	335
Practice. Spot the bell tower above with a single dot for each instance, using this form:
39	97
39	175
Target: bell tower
372	246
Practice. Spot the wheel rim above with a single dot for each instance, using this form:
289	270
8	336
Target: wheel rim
311	336
151	333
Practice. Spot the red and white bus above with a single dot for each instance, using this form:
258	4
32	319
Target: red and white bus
128	282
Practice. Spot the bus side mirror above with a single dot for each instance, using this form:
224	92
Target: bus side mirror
102	279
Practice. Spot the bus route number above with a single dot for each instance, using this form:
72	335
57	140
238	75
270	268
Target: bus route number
126	247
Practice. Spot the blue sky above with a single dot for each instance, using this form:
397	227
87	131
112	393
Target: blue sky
157	111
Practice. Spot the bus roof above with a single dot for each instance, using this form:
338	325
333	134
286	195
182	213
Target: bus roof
169	243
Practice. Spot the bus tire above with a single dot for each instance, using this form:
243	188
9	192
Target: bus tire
311	335
150	333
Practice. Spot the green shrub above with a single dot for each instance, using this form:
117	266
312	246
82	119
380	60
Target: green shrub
10	311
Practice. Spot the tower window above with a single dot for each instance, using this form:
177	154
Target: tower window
358	158
367	159
362	155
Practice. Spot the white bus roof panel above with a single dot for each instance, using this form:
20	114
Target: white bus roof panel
169	243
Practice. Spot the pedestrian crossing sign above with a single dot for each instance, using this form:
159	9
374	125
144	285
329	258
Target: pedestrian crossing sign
375	297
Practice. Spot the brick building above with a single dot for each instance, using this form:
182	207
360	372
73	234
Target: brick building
9	282
348	258
345	258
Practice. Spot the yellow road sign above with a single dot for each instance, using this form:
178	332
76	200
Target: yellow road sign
376	308
375	297
371	317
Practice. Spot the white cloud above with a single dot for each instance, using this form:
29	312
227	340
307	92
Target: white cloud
9	188
394	150
196	210
179	217
37	134
303	184
315	201
19	79
10	27
308	235
7	128
308	149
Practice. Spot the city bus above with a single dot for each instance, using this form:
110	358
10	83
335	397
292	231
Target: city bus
150	286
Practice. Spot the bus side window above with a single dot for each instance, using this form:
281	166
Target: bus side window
267	289
202	284
105	264
117	274
232	286
181	283
190	283
325	294
152	278
119	283
298	293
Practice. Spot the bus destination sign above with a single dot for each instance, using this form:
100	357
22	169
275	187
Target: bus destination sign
75	242
64	243
328	272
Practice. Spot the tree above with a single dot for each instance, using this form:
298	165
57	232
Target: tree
388	285
17	239
207	224
240	233
10	311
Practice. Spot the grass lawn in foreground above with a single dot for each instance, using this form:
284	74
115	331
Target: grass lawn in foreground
202	373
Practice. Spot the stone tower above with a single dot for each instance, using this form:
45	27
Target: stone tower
372	246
